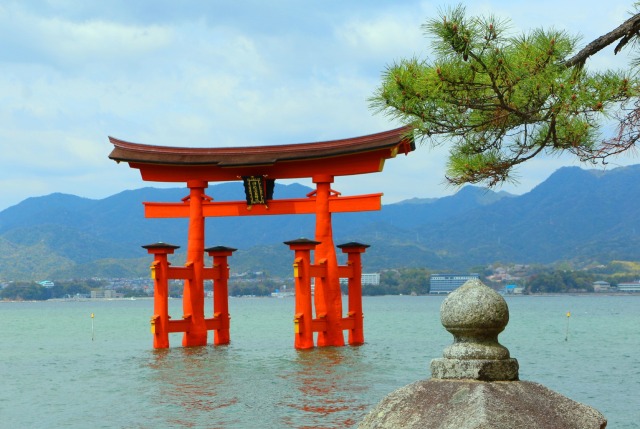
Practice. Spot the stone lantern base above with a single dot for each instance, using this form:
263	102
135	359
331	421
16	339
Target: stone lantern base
471	404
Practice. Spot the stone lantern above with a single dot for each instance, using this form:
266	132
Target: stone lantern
475	384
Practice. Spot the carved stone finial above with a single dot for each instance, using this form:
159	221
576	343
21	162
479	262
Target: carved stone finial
475	314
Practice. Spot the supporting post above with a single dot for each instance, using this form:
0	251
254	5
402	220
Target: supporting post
303	318
221	292
159	274
193	297
354	261
328	297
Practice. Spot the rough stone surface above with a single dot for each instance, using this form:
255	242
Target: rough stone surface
483	370
474	307
470	404
475	314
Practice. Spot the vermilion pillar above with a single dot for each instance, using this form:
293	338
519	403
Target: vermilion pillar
159	274
354	261
221	292
328	299
303	319
193	297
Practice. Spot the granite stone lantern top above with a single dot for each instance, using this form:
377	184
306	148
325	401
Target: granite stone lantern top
474	308
475	314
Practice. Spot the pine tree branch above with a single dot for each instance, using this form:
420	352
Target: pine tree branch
626	31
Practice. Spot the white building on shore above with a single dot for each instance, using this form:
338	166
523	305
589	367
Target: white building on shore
447	283
601	286
367	279
629	287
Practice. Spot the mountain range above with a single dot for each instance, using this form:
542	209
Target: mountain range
577	215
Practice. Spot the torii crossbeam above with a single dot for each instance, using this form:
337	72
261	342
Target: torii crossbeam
259	166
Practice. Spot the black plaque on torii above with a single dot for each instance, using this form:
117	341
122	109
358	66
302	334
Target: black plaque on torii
258	189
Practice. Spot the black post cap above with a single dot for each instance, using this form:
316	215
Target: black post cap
352	244
302	241
219	249
160	245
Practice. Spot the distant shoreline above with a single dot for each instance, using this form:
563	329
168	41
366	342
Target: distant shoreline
150	298
146	298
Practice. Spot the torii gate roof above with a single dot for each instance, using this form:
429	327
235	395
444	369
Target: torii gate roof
357	155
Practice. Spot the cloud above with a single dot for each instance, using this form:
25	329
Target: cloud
195	73
384	36
75	47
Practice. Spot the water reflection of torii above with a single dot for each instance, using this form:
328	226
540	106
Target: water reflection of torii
259	166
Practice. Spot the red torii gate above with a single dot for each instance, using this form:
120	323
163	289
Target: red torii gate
320	161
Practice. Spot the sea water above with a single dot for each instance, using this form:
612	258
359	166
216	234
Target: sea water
60	368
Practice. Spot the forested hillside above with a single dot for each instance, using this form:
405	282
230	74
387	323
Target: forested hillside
576	215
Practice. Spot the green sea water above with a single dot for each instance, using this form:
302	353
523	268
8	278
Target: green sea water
56	371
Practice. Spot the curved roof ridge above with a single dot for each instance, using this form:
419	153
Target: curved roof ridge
253	155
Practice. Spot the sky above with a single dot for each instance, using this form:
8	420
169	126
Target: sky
228	73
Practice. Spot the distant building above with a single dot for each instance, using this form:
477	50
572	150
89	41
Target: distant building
601	286
105	294
446	283
371	279
629	287
513	290
46	283
367	279
283	292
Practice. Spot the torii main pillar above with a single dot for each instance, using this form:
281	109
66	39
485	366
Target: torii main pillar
328	297
193	296
259	167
